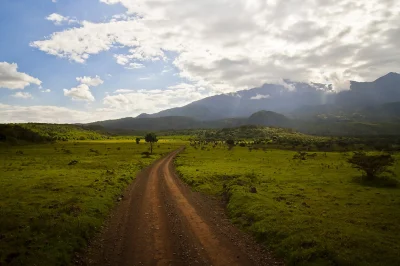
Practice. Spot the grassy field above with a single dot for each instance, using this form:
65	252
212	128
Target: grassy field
54	197
312	212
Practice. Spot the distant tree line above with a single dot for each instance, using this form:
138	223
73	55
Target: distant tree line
37	133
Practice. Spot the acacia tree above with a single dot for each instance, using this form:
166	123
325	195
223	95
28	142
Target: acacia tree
372	165
151	138
137	140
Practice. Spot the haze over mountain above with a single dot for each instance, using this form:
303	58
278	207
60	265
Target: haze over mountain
290	98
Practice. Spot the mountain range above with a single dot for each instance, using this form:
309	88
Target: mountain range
288	98
367	107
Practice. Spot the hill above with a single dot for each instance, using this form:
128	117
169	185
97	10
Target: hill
266	118
325	125
34	132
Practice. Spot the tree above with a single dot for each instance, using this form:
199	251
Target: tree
230	142
371	165
151	138
137	140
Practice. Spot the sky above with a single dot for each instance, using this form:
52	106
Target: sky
73	61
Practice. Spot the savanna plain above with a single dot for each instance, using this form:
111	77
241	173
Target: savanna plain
312	209
55	197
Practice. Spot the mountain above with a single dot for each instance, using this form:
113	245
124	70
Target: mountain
367	108
265	118
384	89
327	126
289	98
244	103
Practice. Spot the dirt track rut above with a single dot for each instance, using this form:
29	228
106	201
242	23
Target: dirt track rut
160	221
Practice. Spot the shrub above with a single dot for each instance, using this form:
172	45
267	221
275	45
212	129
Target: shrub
146	154
372	165
300	155
73	162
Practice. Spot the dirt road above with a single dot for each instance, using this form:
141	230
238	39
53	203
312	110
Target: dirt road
161	222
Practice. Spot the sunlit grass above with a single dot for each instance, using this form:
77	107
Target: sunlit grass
311	212
48	208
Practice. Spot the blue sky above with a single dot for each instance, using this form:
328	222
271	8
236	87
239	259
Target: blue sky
146	56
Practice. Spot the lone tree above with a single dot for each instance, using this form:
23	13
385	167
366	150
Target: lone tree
230	142
152	138
137	140
372	165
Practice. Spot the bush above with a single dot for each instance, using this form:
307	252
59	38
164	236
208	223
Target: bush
372	165
301	155
146	154
230	142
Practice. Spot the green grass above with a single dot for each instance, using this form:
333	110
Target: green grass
50	209
311	212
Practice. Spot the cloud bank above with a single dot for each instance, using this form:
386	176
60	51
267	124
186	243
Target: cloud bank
227	46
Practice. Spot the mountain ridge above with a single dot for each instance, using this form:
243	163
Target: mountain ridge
278	98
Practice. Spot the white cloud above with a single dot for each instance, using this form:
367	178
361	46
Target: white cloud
128	102
127	61
93	82
123	91
45	90
121	59
49	114
22	95
260	96
146	78
231	45
58	19
139	101
135	66
10	78
54	1
80	93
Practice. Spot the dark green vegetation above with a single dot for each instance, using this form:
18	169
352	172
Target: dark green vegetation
34	132
289	139
312	208
54	197
322	124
